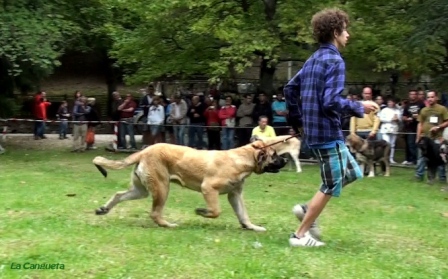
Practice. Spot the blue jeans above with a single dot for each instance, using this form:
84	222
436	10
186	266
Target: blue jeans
179	133
411	148
421	165
227	137
63	127
39	128
126	128
196	132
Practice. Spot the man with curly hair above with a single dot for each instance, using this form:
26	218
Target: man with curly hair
315	105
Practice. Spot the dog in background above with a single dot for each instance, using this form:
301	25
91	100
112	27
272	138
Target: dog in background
211	173
369	152
434	154
283	145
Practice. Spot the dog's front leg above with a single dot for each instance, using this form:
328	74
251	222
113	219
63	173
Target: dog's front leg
371	169
236	201
211	197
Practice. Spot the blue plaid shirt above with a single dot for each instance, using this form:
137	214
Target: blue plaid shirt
314	96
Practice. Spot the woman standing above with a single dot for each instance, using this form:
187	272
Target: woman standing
390	117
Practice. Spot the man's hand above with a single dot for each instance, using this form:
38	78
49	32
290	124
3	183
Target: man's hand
434	129
372	135
196	115
296	124
369	107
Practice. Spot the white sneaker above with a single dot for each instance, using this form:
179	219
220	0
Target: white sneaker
306	241
392	162
405	163
299	210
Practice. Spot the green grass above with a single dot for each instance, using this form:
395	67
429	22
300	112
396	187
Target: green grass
379	228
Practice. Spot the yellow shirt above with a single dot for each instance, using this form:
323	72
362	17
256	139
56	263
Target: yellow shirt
268	132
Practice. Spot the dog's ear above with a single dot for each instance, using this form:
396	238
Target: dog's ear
261	157
258	144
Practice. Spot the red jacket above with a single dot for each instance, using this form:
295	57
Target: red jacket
41	110
226	112
211	115
36	102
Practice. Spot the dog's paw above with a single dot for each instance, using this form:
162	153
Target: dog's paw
102	211
371	175
253	228
201	211
257	228
299	171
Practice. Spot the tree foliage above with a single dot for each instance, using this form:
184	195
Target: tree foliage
215	38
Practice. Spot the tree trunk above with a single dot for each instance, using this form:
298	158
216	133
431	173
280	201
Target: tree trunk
112	77
267	73
6	81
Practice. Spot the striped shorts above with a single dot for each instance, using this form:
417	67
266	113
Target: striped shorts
337	169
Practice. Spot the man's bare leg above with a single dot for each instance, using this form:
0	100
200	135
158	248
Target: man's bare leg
315	207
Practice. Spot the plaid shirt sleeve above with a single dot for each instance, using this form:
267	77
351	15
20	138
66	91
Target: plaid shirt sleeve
291	92
334	85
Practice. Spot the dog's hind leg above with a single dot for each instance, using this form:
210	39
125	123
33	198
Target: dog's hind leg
135	192
236	201
295	157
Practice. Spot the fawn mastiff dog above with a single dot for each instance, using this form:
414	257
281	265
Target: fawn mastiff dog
369	152
212	173
282	145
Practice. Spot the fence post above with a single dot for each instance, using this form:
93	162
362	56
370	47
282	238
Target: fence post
5	129
114	145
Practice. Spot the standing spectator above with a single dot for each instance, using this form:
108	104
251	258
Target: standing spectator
178	115
168	128
92	116
227	116
197	122
279	114
127	121
80	110
263	129
390	117
42	115
421	97
245	123
262	108
410	123
145	103
213	126
63	116
156	118
116	103
432	120
37	114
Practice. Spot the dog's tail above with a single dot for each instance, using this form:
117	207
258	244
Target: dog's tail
101	163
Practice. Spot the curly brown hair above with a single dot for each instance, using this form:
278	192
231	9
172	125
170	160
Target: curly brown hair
326	22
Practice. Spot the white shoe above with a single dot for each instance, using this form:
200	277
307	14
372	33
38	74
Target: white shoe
305	241
405	163
300	210
392	162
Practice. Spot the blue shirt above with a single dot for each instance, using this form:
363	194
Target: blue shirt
277	105
314	96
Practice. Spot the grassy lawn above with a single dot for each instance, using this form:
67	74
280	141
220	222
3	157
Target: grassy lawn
379	228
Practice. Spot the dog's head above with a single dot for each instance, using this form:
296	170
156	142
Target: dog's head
424	144
355	143
266	158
